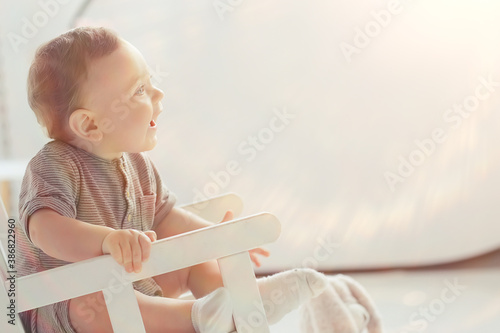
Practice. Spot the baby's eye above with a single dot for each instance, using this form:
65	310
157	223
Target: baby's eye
141	90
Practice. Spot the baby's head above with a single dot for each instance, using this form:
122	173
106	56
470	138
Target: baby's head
90	88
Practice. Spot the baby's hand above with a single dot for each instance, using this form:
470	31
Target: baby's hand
253	253
129	247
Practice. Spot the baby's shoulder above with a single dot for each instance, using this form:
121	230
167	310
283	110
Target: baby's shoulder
54	154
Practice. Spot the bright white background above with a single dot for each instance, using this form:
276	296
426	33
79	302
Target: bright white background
355	118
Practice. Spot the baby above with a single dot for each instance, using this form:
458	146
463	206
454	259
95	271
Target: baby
93	190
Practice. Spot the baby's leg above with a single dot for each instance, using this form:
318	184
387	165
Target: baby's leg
283	292
159	314
280	293
89	314
201	280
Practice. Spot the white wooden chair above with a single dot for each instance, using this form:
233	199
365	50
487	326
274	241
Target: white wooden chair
226	242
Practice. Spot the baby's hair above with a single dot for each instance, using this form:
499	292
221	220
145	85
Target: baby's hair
58	71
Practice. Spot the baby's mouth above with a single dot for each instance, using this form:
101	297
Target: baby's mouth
152	123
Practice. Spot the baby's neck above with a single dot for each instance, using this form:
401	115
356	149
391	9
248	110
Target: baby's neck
99	150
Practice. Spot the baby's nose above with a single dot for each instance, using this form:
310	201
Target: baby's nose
158	95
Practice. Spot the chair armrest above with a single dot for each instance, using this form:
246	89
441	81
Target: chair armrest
213	209
169	254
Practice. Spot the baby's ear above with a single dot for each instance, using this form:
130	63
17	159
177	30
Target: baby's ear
83	124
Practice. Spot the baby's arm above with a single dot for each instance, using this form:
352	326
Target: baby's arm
65	238
72	240
179	221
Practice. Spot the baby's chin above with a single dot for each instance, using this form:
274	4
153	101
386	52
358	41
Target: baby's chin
150	145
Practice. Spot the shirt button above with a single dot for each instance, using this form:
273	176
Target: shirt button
128	194
129	217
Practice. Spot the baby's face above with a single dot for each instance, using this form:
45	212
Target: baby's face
125	103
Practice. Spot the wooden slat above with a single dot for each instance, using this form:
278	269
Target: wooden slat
123	310
239	279
213	209
182	251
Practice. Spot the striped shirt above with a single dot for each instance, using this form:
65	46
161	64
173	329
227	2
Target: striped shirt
122	193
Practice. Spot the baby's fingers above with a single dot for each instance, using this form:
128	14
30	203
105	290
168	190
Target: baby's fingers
137	253
127	256
228	216
115	251
254	252
145	243
255	259
261	251
151	234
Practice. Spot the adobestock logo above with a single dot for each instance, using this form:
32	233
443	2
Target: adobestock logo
325	247
31	27
248	149
97	303
363	37
454	116
223	6
419	320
